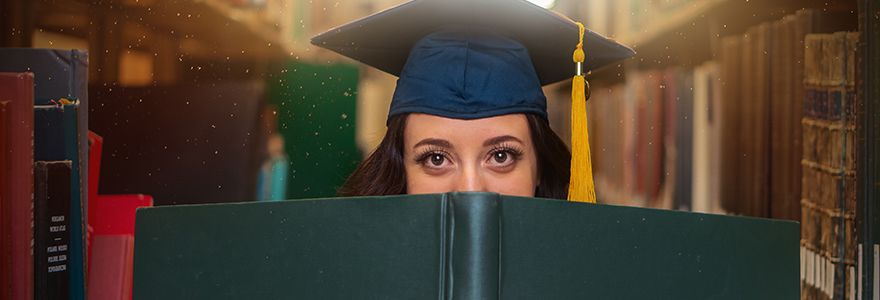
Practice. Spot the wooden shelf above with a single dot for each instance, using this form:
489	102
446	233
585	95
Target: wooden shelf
653	27
206	29
688	36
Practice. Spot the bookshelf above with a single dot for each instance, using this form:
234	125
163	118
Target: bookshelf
234	36
690	40
683	34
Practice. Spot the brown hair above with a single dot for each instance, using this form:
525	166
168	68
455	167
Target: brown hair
383	172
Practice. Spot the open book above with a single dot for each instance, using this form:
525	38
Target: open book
458	246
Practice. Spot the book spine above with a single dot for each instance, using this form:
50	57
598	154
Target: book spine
684	140
96	143
48	133
642	135
802	26
18	89
828	165
670	103
745	133
761	134
72	152
5	195
630	150
52	230
701	189
781	207
80	74
472	240
731	59
866	213
655	146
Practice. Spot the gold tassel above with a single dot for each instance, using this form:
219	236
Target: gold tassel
581	187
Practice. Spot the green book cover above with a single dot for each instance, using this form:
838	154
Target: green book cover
458	246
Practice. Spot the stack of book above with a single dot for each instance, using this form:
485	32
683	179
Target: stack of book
45	153
767	129
828	204
46	149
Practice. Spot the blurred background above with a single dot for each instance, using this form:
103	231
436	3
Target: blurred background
742	107
225	100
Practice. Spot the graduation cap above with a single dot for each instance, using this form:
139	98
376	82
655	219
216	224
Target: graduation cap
470	59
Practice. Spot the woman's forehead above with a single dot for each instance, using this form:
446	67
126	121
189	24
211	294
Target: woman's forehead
422	126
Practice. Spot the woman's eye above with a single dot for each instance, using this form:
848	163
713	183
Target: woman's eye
434	160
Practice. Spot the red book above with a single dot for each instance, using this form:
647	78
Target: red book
110	275
110	268
95	144
17	208
5	193
114	214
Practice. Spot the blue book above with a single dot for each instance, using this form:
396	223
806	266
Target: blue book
56	138
48	133
73	152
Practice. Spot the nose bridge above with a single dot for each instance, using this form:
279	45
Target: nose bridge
470	179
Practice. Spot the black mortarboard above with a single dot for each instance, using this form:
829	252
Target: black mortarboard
384	40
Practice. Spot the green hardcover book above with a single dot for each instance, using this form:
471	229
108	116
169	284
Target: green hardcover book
458	246
73	132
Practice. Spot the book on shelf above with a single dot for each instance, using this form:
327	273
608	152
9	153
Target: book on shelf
669	159
56	137
74	151
5	228
459	246
781	203
629	158
762	73
760	103
115	214
606	141
730	115
829	157
706	139
651	143
867	212
60	74
96	142
57	73
16	202
746	126
109	273
52	230
48	132
111	270
681	118
646	151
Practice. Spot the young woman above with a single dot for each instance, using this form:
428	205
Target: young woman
468	112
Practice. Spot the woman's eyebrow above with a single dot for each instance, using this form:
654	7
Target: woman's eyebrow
500	139
435	142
